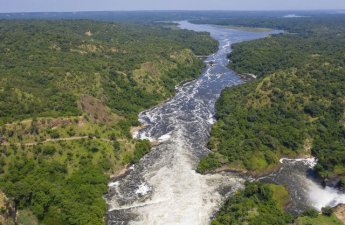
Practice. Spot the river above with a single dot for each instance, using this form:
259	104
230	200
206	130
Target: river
164	187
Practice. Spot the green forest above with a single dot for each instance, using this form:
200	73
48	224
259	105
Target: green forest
45	65
258	203
261	203
296	105
70	90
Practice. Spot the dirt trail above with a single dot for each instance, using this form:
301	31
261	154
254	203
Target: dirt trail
55	140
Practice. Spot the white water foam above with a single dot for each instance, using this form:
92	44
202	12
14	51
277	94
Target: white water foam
143	136
113	184
143	189
311	162
321	197
318	195
165	188
164	137
132	167
211	119
172	205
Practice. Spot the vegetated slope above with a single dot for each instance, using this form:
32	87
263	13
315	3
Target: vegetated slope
261	203
258	203
295	107
46	64
69	92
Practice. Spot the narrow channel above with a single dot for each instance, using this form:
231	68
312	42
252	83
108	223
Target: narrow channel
164	187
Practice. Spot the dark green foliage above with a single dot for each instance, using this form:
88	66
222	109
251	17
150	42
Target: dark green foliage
315	24
208	163
71	132
142	147
253	205
116	146
287	50
342	183
51	196
312	213
327	211
297	103
46	65
54	134
2	165
266	131
94	148
112	137
48	150
34	128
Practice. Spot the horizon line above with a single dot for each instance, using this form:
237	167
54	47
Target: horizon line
181	10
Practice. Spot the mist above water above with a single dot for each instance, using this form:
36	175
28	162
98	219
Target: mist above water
324	196
305	190
163	188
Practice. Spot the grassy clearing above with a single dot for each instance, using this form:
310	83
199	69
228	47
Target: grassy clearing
26	217
320	220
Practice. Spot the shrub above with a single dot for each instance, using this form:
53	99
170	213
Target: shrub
313	213
54	134
48	150
208	163
327	211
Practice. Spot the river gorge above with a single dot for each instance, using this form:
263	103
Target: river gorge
164	187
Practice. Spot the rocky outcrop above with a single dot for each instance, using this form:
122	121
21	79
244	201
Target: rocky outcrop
334	182
339	212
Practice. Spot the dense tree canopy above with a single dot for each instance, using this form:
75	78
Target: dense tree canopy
295	107
46	65
79	85
258	203
261	204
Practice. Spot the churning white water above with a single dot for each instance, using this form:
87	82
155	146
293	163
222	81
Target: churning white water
304	187
324	196
181	196
164	187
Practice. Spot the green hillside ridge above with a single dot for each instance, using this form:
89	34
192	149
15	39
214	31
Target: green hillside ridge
296	106
261	203
69	92
258	203
46	65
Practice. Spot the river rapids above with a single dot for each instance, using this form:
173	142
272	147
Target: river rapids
163	188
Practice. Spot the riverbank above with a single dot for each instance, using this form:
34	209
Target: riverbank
284	109
176	193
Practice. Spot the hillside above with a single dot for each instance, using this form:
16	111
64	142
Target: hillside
295	107
70	91
64	59
261	203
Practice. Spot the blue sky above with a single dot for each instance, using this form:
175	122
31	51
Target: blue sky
109	5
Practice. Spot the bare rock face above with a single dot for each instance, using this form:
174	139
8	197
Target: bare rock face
7	210
339	212
88	33
332	182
